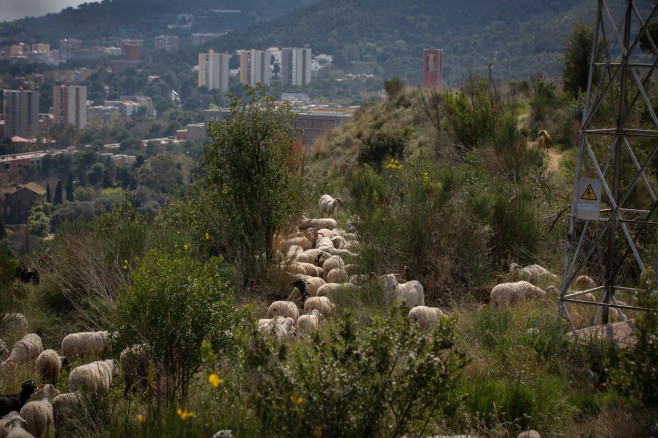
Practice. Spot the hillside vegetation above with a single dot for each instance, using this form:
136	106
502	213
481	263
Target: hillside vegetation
451	185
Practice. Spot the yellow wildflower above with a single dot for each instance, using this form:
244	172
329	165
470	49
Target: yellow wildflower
207	236
215	380
186	246
140	418
295	399
184	414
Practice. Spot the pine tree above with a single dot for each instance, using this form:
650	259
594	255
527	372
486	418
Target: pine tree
58	193
69	189
48	198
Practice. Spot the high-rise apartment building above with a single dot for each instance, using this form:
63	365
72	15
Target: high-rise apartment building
432	68
295	66
21	110
67	47
70	105
213	70
255	67
132	49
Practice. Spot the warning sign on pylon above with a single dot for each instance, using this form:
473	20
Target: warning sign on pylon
588	191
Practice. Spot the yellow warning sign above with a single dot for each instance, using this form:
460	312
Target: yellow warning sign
589	194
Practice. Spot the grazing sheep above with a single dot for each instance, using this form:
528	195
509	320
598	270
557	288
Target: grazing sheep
283	309
135	364
529	433
321	304
294	269
24	351
344	253
309	256
329	262
337	275
328	289
506	294
583	282
39	414
14	402
310	269
65	407
312	285
324	243
17	431
339	242
328	205
318	223
426	317
411	293
310	322
49	365
90	345
283	327
306	241
16	321
94	377
12	419
532	273
325	232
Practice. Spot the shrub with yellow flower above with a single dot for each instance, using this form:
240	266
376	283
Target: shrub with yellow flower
215	380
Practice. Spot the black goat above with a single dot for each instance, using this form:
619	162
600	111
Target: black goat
27	275
301	285
14	402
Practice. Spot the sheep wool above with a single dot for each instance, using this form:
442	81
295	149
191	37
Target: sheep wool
583	282
532	273
426	317
310	322
283	309
39	414
23	351
321	304
94	377
328	205
317	223
65	407
411	293
328	289
86	345
135	363
48	366
17	431
12	419
282	327
337	275
507	294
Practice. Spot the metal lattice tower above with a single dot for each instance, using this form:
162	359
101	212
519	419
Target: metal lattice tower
613	227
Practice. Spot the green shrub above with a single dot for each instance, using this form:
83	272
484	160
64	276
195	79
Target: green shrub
173	305
380	146
382	380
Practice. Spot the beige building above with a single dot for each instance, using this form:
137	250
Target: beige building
295	66
213	70
255	67
70	105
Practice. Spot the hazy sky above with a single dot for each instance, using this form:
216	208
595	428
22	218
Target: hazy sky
13	9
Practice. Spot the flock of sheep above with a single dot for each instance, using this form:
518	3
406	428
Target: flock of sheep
318	257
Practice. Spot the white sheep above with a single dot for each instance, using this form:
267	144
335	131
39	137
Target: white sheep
39	414
17	431
92	345
321	304
339	242
506	294
312	285
293	252
49	365
135	362
65	407
325	232
309	256
310	269
532	273
329	262
317	223
283	327
283	309
328	289
324	243
25	350
310	322
337	275
94	377
328	205
426	317
344	253
583	282
411	293
12	419
294	269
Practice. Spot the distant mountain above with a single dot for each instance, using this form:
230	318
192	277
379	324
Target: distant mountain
387	37
114	19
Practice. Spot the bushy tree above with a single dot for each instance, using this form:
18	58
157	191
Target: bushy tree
393	87
471	115
250	185
174	304
576	58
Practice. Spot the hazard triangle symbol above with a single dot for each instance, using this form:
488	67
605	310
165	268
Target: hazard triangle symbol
589	194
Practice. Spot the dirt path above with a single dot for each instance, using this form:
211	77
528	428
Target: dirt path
554	163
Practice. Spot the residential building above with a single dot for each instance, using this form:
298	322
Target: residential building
67	47
132	49
255	67
295	66
19	200
13	163
200	38
21	110
169	43
433	68
213	70
70	105
311	126
119	65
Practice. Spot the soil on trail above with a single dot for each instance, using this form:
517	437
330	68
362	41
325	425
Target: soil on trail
554	163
